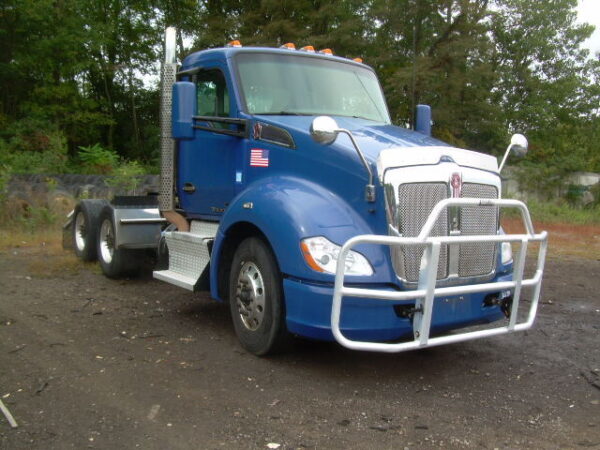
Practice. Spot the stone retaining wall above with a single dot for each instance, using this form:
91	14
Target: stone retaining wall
74	185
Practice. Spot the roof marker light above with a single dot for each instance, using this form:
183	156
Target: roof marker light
308	48
289	46
235	44
326	51
358	60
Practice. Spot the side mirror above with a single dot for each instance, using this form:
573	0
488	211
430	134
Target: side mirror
423	119
518	145
324	130
183	110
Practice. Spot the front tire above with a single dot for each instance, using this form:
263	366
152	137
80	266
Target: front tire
115	262
256	299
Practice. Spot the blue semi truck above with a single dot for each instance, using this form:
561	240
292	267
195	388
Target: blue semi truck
286	191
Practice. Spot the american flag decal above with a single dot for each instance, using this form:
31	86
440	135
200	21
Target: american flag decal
259	157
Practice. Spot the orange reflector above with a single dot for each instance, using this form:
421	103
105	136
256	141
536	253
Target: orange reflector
234	44
308	48
358	60
309	259
289	46
326	51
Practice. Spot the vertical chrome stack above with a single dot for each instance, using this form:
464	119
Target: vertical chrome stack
166	198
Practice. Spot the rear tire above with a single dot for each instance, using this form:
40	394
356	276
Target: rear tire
256	299
115	262
85	228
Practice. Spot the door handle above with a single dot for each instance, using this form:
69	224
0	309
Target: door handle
189	188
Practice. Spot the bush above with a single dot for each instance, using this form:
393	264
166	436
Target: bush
595	191
96	159
126	178
30	146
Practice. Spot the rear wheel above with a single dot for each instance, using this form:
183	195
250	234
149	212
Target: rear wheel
85	228
115	262
256	299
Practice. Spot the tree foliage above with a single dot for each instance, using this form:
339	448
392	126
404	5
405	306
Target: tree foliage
78	69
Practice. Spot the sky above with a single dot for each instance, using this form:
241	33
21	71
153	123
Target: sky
588	11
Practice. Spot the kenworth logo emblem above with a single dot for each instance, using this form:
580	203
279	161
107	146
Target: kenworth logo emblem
456	184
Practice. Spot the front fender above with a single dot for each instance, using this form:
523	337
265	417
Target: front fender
288	209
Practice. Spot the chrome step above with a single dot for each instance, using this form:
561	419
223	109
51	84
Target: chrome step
189	254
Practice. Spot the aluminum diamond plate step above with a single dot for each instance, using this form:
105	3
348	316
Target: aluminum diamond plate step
189	255
175	278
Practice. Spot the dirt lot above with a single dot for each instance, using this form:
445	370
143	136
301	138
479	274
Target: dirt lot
87	362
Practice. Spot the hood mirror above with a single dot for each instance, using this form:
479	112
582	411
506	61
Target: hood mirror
324	130
518	145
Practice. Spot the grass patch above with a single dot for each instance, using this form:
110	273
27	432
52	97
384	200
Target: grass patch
563	213
52	266
564	239
46	256
48	239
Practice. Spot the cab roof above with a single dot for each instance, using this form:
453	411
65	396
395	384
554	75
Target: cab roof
197	59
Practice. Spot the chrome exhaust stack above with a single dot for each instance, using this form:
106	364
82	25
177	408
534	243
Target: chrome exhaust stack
166	197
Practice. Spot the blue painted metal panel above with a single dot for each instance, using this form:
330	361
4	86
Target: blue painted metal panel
209	162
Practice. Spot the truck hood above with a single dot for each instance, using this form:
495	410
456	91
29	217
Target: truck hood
371	136
390	145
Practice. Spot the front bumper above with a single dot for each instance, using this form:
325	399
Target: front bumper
308	308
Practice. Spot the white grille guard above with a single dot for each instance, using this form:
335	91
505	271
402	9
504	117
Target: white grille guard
426	290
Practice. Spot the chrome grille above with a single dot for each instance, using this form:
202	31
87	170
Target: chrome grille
480	258
415	202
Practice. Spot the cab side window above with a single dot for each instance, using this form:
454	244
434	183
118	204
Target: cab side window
213	98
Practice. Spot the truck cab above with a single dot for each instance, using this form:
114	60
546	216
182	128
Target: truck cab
293	197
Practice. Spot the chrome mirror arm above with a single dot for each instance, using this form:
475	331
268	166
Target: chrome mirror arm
506	153
370	188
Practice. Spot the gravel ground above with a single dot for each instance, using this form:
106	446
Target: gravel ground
87	362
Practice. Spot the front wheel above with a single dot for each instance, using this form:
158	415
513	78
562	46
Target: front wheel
256	299
115	262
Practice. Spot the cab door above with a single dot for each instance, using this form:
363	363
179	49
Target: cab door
206	163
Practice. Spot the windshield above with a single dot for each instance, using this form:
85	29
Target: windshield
297	85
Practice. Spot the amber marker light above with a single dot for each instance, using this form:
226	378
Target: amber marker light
234	44
309	259
289	46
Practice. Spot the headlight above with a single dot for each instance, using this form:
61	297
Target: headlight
506	251
321	255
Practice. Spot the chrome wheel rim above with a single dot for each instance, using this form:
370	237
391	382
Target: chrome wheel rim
107	241
80	231
250	296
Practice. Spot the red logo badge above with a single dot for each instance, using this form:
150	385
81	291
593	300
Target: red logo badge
456	184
